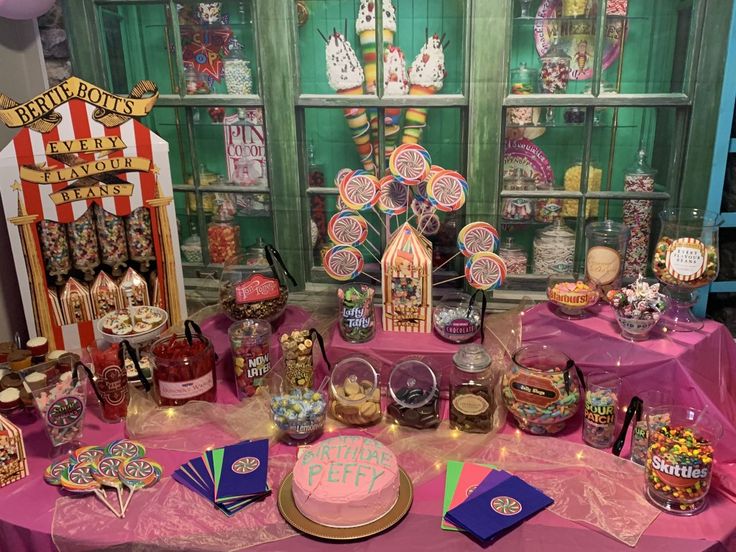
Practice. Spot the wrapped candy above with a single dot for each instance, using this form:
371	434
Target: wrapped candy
140	238
106	296
83	244
55	249
111	233
76	303
134	289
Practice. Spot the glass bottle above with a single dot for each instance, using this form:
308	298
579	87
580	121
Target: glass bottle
554	74
472	403
517	209
514	256
238	77
604	258
637	215
522	83
554	249
223	234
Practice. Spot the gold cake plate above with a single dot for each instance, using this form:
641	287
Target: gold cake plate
298	521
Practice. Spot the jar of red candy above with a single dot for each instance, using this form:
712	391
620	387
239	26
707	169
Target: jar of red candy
249	342
223	233
184	367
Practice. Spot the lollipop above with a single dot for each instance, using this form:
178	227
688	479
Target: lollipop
446	190
477	237
138	473
410	164
52	474
77	478
105	472
343	263
485	270
87	454
429	224
125	448
342	173
359	191
393	196
347	228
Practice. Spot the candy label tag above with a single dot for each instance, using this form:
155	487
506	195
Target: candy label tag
257	288
64	412
112	383
678	475
470	405
460	326
601	415
186	389
534	390
686	259
602	264
356	317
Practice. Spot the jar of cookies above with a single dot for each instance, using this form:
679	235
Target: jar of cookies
355	393
471	390
414	394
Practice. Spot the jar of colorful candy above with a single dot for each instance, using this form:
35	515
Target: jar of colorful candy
514	256
250	342
637	215
356	318
414	394
679	463
523	82
298	414
355	394
517	209
540	389
184	367
223	233
238	78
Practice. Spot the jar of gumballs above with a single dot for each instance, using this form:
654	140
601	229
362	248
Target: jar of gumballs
238	78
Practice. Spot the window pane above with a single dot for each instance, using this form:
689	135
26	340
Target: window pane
218	45
171	124
411	25
136	46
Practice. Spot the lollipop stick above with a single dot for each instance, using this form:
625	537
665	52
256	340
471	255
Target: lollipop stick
388	230
371	277
125	508
372	255
376	230
421	230
373	247
447	261
99	494
119	489
449	280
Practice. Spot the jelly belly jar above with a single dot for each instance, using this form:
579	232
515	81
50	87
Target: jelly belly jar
414	394
471	390
355	394
679	463
540	389
184	367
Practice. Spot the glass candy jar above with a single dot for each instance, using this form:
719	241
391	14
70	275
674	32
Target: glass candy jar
356	318
517	209
554	249
457	318
513	255
540	390
604	258
414	395
238	77
523	82
251	292
547	209
554	74
637	215
223	234
355	394
685	259
298	414
472	404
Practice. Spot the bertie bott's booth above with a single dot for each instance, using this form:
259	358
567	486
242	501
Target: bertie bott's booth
284	275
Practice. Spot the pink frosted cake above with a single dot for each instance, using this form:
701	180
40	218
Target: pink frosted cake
345	481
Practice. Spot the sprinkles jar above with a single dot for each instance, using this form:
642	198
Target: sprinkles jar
637	215
539	389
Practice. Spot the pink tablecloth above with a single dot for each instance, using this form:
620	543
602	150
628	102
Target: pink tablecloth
699	368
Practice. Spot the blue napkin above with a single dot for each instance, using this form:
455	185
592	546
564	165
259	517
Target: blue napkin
490	511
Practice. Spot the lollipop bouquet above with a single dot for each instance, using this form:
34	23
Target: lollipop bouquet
406	262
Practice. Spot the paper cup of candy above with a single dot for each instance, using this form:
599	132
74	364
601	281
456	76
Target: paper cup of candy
62	406
540	389
679	463
571	297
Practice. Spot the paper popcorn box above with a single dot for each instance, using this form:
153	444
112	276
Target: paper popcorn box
13	460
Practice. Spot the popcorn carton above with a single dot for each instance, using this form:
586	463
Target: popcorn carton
13	461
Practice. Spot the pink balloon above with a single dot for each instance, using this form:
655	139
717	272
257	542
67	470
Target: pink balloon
24	9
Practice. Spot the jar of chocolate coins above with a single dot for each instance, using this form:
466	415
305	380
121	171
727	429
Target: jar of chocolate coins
472	404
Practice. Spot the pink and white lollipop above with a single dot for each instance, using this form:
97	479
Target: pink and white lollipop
485	271
393	196
429	224
446	190
477	237
343	263
359	191
347	228
410	164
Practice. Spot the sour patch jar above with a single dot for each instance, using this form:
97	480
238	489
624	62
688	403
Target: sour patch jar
540	390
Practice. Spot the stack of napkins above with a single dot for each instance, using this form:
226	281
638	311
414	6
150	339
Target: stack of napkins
232	477
487	502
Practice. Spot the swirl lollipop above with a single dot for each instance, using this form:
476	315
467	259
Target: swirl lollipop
409	164
347	228
473	238
343	263
105	472
52	474
485	271
429	224
359	191
125	448
341	174
393	196
87	454
77	478
446	191
138	473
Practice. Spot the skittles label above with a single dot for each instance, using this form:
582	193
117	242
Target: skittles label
65	412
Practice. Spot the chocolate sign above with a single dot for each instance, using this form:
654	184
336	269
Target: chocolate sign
256	289
460	326
64	412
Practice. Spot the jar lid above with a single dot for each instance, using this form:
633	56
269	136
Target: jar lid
356	372
605	229
249	327
472	358
641	166
558	229
509	244
412	383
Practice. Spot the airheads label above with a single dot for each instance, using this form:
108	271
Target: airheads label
257	288
460	326
602	415
534	390
678	475
65	412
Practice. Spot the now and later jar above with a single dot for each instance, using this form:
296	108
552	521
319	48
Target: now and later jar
540	390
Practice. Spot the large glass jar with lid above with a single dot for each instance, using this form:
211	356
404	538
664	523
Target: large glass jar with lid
514	256
604	254
238	78
223	233
517	209
457	318
637	215
355	394
414	394
523	82
554	249
554	74
472	381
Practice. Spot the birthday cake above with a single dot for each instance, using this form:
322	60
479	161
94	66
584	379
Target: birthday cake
345	481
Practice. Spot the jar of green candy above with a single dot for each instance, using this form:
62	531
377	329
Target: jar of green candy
356	315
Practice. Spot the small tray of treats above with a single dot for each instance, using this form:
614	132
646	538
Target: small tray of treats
136	324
